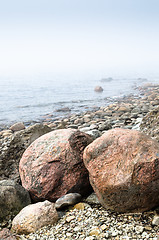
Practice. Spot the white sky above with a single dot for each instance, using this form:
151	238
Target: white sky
109	36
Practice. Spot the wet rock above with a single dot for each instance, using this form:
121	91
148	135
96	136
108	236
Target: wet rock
52	166
67	200
34	216
13	197
65	109
12	148
123	169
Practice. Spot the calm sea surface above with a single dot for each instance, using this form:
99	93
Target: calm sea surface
27	98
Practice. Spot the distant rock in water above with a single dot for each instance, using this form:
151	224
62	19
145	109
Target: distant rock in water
98	89
142	79
65	109
109	79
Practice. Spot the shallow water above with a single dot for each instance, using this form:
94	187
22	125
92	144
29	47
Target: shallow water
27	98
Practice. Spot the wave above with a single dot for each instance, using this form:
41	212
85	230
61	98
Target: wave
36	105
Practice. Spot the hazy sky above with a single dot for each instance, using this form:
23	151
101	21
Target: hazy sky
108	36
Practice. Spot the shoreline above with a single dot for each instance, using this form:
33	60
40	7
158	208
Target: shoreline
97	222
67	118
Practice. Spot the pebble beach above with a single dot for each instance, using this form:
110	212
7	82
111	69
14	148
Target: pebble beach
88	220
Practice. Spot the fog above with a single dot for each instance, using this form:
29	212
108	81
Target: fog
113	38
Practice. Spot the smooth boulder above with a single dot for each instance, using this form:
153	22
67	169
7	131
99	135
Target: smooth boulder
52	165
34	216
13	197
123	168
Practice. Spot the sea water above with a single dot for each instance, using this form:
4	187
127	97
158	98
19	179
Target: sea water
30	97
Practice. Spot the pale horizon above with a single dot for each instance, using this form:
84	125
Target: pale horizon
112	38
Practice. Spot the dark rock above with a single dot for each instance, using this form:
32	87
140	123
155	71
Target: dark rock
13	197
12	148
67	200
65	109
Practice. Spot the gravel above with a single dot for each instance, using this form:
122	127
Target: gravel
95	222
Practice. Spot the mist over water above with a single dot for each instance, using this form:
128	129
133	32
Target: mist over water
29	98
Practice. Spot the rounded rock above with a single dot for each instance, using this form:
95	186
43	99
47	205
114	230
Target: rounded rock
52	165
67	200
123	170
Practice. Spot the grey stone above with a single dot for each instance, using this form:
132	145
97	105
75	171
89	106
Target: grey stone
13	197
67	200
13	147
94	133
92	199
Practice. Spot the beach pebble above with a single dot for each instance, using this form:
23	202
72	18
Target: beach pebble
155	220
92	199
67	200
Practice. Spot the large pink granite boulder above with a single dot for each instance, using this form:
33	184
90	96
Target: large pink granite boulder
53	165
123	168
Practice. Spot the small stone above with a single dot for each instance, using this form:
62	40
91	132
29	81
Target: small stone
77	229
139	229
67	200
80	206
92	199
70	218
94	232
155	220
17	127
114	233
89	238
103	227
148	228
68	234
